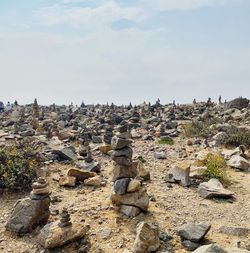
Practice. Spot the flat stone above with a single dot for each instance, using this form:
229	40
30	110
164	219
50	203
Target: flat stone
119	143
80	175
213	188
191	246
211	248
66	154
194	232
235	231
122	160
94	181
53	236
41	191
147	238
127	152
90	166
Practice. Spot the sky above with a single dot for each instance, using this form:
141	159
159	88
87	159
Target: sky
124	51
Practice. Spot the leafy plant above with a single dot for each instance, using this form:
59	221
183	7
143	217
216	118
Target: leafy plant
239	138
216	168
166	141
17	166
198	129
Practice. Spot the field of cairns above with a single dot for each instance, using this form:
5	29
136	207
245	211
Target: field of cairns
144	178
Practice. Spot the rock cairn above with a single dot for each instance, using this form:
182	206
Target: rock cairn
28	213
108	134
64	219
128	194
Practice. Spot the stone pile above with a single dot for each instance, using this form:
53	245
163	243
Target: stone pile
28	213
128	194
57	234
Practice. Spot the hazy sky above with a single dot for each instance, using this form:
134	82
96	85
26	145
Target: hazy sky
124	50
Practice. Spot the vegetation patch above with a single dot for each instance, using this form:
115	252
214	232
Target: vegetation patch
216	168
166	141
18	164
239	138
198	129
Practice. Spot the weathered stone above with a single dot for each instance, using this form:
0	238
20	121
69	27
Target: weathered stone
119	143
53	236
67	181
105	148
129	211
28	214
138	199
80	175
213	188
66	154
120	186
127	152
120	171
147	238
239	162
236	231
179	174
122	160
194	232
134	185
191	246
89	166
94	181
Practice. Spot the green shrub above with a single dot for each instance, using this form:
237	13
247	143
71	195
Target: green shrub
17	166
216	168
240	138
198	129
166	141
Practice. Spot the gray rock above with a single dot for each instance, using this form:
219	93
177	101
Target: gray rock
213	188
211	248
160	155
129	211
236	231
66	154
194	232
191	246
120	171
119	143
127	152
120	186
179	175
28	214
239	162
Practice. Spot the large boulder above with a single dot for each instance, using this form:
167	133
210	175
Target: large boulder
28	214
238	103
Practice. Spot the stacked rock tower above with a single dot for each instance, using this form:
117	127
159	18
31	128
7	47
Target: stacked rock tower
128	194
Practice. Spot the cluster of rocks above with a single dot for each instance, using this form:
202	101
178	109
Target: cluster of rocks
128	193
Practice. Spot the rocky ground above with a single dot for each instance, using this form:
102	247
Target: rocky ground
171	205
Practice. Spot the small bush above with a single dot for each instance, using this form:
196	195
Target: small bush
216	168
166	141
17	166
198	129
240	138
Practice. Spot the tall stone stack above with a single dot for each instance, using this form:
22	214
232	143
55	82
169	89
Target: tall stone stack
128	194
30	212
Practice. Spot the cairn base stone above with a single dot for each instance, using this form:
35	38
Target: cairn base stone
27	214
53	236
